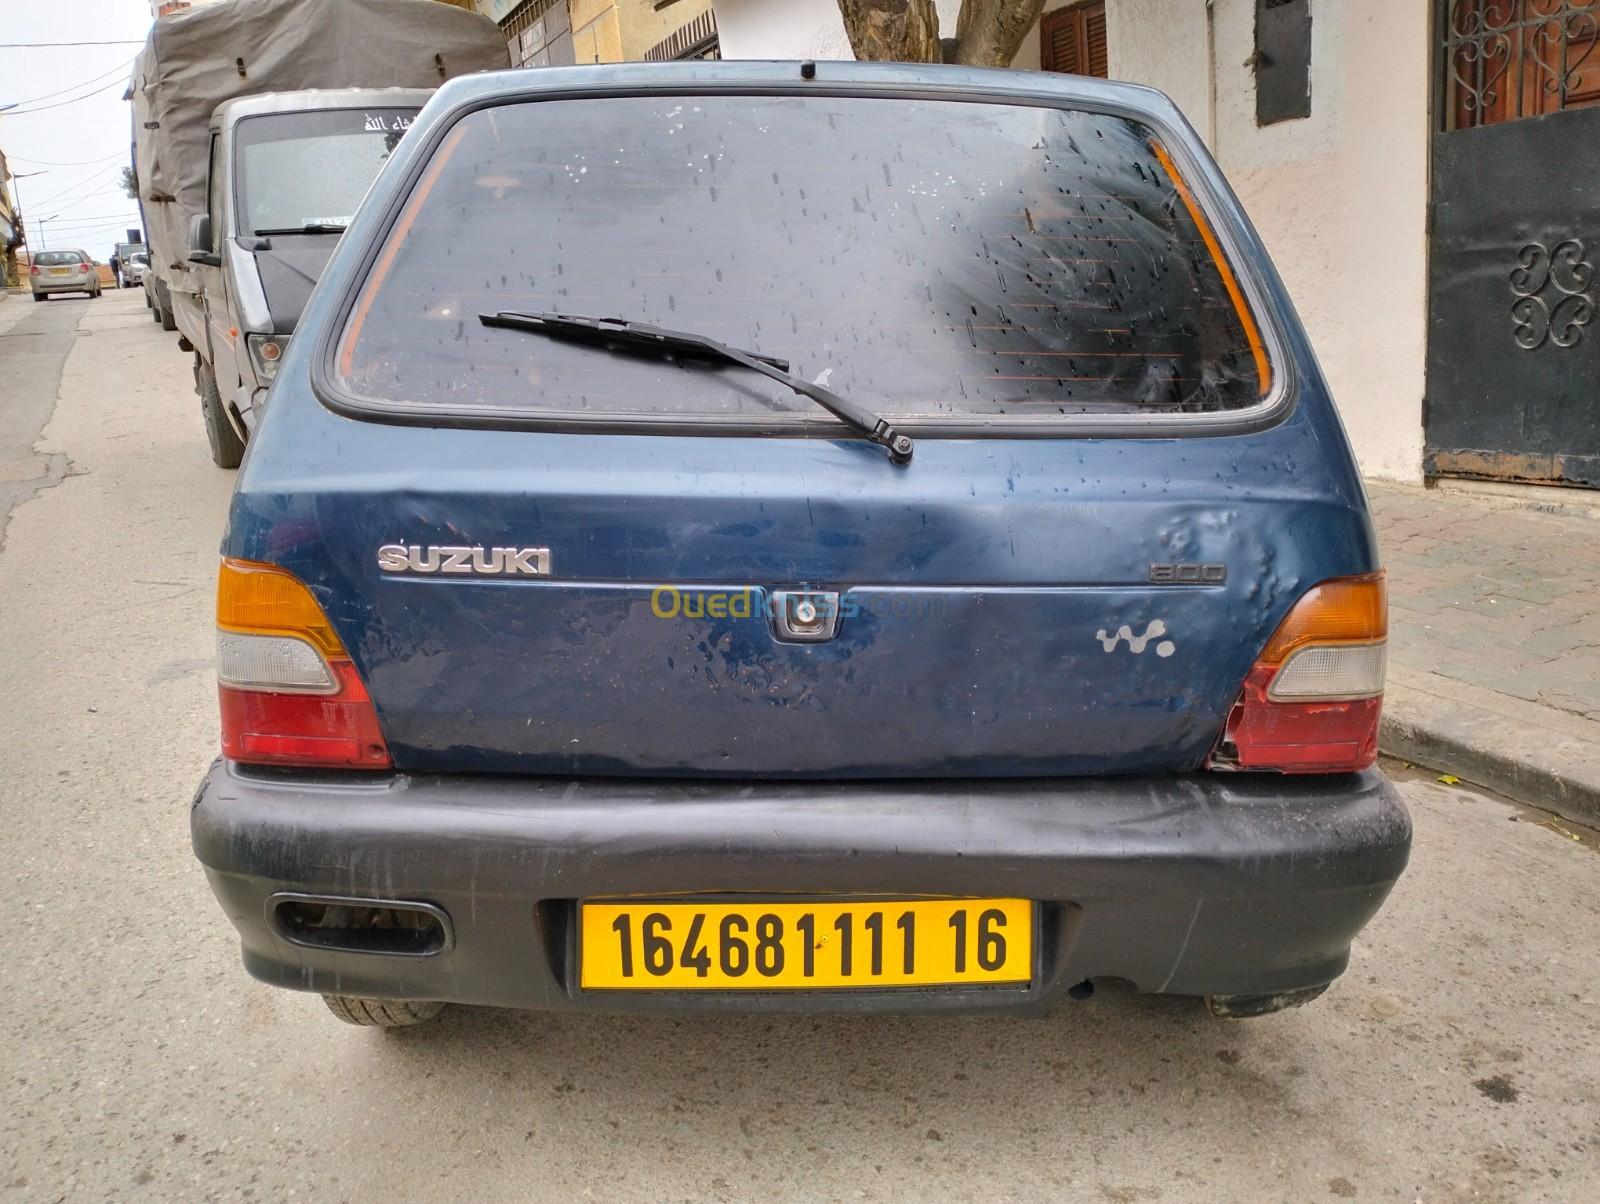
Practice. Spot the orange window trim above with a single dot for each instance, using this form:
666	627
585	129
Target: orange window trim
1252	332
397	237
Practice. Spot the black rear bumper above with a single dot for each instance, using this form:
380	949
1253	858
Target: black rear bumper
1198	885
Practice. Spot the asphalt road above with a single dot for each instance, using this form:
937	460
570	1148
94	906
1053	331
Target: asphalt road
1456	1061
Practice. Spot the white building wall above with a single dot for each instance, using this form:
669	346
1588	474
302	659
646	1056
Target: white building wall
1162	43
1340	198
781	29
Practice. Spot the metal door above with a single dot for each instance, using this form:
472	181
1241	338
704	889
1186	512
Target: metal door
1513	339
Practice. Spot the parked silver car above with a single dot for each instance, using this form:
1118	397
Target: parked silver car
134	269
63	272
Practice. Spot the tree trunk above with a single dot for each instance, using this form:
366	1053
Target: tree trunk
898	31
988	32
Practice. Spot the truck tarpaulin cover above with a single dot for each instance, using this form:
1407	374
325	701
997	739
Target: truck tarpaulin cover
194	61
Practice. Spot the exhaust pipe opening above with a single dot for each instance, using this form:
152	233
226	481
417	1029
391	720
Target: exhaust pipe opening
385	927
1083	990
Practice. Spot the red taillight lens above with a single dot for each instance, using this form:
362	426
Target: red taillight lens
289	692
33	270
265	728
1311	702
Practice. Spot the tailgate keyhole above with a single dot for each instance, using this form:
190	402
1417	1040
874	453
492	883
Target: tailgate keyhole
805	616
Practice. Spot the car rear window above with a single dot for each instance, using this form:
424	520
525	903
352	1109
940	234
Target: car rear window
936	259
59	258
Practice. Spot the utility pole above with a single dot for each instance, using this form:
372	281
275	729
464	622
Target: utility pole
17	211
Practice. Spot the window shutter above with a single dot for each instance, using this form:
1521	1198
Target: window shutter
1073	40
1096	53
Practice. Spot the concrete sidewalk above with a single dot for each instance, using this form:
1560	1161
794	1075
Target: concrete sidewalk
1494	639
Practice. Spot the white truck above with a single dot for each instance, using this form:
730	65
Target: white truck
258	127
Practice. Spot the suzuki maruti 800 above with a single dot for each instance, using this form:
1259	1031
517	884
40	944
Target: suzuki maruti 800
789	537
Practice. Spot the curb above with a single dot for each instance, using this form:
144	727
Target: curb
1535	754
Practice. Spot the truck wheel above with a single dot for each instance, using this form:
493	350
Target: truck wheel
227	449
380	1013
164	316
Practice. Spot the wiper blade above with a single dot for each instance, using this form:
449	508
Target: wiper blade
308	228
620	332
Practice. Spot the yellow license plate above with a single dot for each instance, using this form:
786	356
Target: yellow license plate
61	271
804	946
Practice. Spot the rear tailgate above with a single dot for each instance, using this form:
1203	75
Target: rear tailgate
998	615
1069	604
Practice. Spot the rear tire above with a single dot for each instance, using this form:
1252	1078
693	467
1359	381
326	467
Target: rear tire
164	316
227	449
380	1013
41	296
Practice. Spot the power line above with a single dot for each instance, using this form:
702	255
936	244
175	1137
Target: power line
33	100
60	104
89	196
74	188
89	221
32	45
85	163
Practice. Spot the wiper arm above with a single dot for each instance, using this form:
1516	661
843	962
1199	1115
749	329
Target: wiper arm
308	228
619	332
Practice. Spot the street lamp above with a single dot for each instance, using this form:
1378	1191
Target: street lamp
39	225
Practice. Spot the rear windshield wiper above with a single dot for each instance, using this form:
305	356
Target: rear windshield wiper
619	332
308	228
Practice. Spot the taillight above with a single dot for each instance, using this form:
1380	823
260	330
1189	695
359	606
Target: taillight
33	270
290	694
1311	702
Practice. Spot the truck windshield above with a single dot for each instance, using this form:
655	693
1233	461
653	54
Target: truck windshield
311	169
929	258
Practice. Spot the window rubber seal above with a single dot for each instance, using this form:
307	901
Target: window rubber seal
1231	237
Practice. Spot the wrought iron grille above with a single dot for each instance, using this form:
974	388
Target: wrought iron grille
695	40
1504	60
524	15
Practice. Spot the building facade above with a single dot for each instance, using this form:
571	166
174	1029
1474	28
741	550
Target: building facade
10	227
558	33
1422	171
163	8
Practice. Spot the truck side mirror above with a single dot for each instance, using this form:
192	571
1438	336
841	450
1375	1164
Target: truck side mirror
201	249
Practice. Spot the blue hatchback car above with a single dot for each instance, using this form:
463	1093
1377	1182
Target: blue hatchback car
794	537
